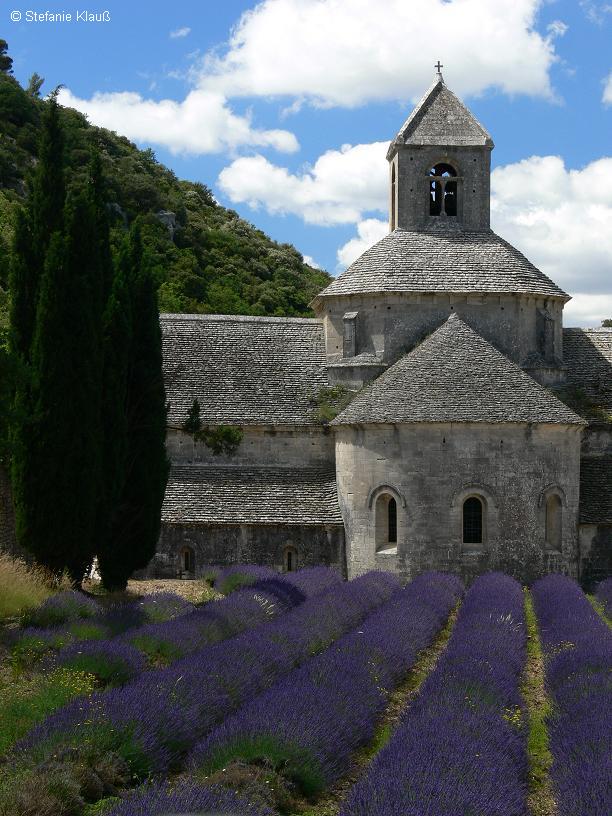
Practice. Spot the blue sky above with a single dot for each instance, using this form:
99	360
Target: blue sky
283	109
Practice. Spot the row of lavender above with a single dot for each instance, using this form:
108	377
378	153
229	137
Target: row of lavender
309	724
460	747
149	630
578	664
604	596
153	721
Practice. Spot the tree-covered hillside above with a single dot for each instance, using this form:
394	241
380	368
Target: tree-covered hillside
206	258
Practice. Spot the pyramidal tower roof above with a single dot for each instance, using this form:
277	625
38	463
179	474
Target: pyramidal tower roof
455	375
441	118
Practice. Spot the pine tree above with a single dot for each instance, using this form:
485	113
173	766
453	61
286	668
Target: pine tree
136	523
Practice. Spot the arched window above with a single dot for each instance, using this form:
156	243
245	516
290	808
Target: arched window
290	559
187	557
385	520
553	528
443	190
472	521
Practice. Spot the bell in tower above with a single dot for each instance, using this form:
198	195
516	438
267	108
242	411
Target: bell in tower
440	165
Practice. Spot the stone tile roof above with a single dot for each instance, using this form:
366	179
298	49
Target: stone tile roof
440	118
455	375
443	258
596	490
243	370
250	495
587	353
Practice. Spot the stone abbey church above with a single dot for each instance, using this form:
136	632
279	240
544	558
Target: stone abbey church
454	452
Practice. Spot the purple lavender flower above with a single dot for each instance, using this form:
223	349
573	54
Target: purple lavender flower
578	663
157	800
604	595
160	715
61	608
112	662
309	723
456	749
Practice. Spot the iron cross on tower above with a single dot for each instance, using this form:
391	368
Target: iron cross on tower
438	66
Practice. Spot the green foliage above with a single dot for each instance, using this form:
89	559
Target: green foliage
159	652
213	262
26	701
6	63
294	763
221	439
193	423
539	710
236	581
143	462
576	398
331	401
35	83
607	323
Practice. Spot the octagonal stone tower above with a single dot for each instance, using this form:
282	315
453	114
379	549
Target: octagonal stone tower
440	258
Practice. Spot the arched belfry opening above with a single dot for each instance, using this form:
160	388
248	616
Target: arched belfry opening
443	190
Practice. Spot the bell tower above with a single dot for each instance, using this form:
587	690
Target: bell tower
440	165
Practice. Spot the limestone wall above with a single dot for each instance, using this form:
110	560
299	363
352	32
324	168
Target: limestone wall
432	468
264	544
390	324
308	446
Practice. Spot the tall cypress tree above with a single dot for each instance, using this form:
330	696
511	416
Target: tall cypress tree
36	226
66	360
136	521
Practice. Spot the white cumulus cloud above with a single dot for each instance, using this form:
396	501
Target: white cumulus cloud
337	189
558	217
347	52
369	232
201	123
178	33
607	94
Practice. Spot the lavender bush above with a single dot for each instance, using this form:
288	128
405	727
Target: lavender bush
111	662
228	579
157	800
61	608
604	595
218	620
578	663
459	748
154	720
308	724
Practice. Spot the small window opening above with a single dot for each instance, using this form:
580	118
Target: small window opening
290	559
553	522
472	521
187	559
392	510
443	191
385	520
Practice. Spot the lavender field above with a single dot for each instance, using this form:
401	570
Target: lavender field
304	694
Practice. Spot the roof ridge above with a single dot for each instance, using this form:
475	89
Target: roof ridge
438	382
168	316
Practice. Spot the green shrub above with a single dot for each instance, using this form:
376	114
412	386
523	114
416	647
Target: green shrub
31	647
24	702
236	581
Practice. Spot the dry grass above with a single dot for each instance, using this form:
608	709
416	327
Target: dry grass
24	586
195	591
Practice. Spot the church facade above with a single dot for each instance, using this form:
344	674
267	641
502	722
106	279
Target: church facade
453	449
